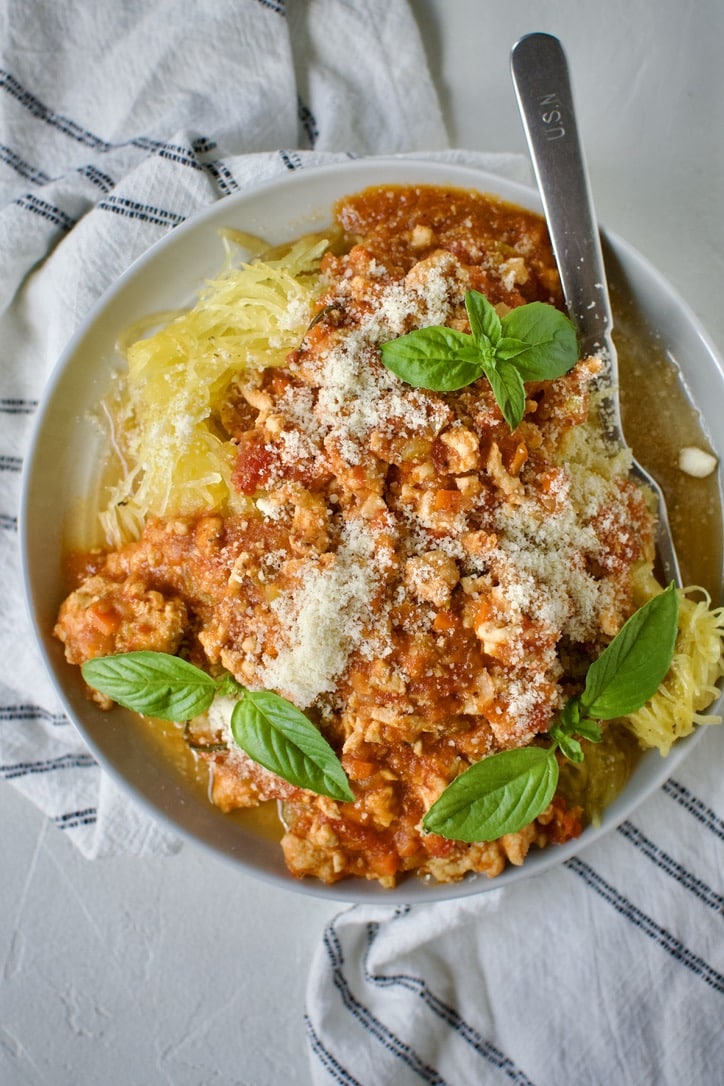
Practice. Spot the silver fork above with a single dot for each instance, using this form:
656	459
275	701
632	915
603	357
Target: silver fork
543	88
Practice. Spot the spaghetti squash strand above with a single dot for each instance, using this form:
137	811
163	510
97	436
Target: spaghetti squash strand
690	685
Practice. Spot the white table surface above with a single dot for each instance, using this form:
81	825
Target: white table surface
182	970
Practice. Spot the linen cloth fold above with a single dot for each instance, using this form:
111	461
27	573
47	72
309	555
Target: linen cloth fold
117	122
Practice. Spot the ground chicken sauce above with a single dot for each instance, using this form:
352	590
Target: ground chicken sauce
426	585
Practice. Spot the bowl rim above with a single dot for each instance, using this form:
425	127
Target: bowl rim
361	173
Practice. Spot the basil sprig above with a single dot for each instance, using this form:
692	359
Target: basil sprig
272	731
506	791
534	342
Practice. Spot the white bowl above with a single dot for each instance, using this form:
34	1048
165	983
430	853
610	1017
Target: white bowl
61	475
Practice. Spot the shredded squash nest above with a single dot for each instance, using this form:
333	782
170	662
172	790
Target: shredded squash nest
690	684
175	460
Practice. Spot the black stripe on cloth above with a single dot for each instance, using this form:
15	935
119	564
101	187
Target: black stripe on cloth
131	209
47	211
97	177
695	807
223	176
649	927
11	463
694	885
11	406
203	144
364	1017
72	819
49	765
308	121
291	160
17	713
146	143
173	152
180	155
279	6
38	109
327	1060
10	158
8	523
419	987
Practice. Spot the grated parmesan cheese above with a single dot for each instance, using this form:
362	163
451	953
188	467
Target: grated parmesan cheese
325	618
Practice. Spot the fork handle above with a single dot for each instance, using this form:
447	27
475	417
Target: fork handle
543	89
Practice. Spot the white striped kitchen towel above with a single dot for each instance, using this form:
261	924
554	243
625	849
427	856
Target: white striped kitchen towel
606	971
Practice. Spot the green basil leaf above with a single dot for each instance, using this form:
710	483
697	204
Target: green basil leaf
590	730
279	737
570	716
484	321
438	358
629	671
498	795
508	389
152	683
228	687
550	338
569	747
509	348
